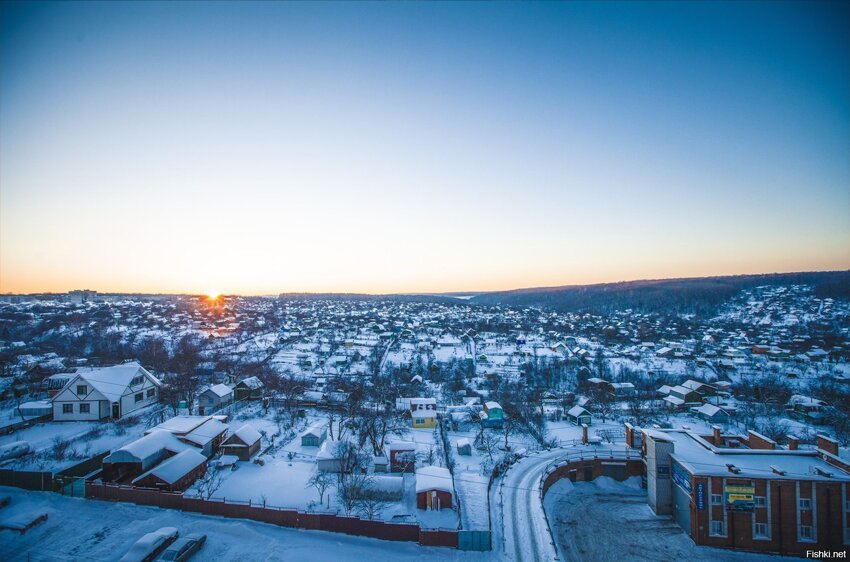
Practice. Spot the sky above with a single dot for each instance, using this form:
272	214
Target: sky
258	148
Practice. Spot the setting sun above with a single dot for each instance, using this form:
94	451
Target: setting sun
213	295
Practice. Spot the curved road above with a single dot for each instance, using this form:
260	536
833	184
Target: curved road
521	531
524	531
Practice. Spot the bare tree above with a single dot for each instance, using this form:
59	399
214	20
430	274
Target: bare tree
371	503
209	483
321	481
351	489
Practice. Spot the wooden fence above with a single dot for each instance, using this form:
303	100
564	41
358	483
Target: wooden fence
276	516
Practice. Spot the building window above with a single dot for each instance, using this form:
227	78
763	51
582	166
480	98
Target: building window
151	393
67	408
137	381
716	499
82	390
717	528
85	408
805	503
807	533
761	501
140	396
760	531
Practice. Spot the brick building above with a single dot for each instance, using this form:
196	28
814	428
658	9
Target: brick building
746	492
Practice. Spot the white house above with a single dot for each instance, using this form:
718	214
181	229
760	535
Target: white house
105	392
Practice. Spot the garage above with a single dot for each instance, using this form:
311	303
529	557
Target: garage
682	509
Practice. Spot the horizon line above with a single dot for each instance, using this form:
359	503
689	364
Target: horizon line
431	293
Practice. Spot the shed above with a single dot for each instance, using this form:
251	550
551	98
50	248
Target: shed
314	435
433	488
214	398
243	443
464	447
579	415
402	456
250	388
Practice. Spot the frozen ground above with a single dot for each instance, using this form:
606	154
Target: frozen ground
90	530
608	520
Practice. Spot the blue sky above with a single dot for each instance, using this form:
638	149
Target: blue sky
265	147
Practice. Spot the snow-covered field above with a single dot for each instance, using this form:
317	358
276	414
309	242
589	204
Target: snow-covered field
78	529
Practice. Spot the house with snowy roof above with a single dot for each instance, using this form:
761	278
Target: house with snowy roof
243	443
115	392
214	398
174	474
250	388
433	488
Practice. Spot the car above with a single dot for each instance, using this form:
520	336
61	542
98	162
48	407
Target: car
151	544
184	548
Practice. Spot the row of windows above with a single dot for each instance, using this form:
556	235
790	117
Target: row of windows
85	408
760	531
139	396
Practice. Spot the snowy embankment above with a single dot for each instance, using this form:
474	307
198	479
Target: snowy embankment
79	529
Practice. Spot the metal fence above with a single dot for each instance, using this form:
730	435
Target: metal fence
284	517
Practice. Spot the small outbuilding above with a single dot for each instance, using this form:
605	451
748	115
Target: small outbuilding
214	398
433	488
464	447
578	415
243	443
314	435
250	388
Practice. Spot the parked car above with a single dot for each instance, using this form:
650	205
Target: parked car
184	548
14	450
149	546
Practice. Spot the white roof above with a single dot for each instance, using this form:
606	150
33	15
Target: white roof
148	448
424	413
433	478
206	432
401	446
175	468
247	434
675	400
463	442
708	409
490	405
252	383
577	411
316	429
113	381
221	390
182	424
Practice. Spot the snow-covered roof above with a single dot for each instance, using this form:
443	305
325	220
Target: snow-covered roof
433	478
175	468
220	390
708	410
401	446
182	424
247	434
424	413
112	382
251	382
206	432
463	442
577	411
491	405
700	457
148	449
317	429
674	400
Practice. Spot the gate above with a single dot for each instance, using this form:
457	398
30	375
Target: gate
473	540
682	509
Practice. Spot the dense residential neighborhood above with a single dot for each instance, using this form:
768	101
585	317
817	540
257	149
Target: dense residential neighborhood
410	412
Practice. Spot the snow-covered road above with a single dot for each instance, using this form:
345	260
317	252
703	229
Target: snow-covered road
524	533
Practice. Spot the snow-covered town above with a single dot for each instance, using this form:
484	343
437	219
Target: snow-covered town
434	419
346	281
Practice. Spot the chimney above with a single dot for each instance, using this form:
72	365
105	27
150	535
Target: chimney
715	435
827	444
584	434
759	441
629	435
793	443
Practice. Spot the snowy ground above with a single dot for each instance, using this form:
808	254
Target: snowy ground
608	520
90	530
